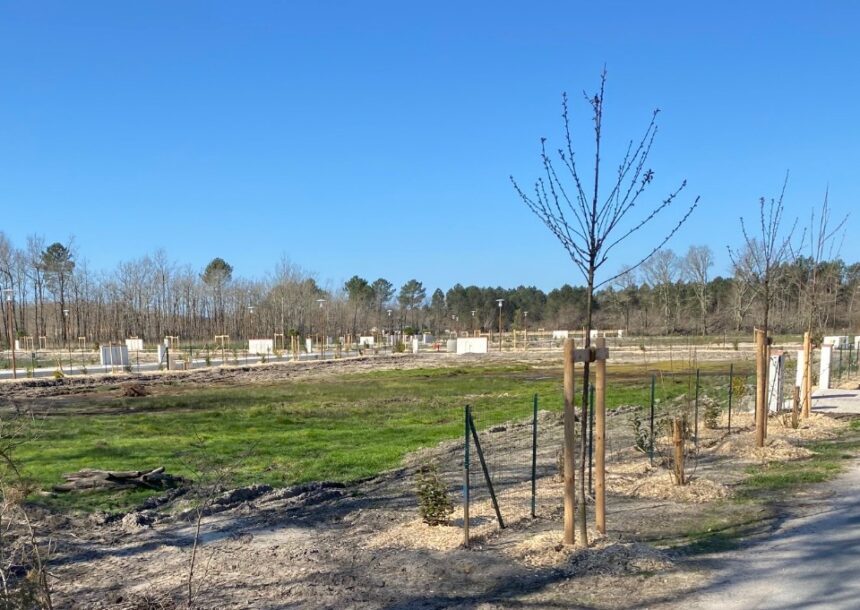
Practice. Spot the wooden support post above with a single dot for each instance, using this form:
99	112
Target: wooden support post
807	374
600	441
760	388
678	426
795	407
569	440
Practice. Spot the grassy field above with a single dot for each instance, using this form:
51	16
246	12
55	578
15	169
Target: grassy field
340	428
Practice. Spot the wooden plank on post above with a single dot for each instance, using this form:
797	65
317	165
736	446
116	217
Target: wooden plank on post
569	440
760	387
600	440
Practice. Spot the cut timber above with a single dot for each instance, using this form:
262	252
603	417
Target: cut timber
89	479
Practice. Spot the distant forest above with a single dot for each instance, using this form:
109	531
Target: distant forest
53	294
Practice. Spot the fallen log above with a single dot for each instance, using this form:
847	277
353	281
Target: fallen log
89	479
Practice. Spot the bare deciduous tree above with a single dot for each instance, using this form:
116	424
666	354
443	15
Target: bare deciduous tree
590	223
696	266
767	251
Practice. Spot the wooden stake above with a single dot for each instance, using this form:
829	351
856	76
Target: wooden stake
678	426
760	389
569	440
600	441
795	407
807	374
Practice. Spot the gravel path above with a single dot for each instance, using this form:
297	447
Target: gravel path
810	561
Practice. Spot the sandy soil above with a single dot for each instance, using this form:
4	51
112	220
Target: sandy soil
363	545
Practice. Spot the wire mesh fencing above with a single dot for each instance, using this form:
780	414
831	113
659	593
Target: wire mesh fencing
514	470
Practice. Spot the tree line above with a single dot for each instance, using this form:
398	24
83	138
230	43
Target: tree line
51	293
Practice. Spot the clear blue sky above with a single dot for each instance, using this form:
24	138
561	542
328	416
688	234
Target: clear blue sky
376	138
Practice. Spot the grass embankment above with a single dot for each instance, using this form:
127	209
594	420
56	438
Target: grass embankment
340	428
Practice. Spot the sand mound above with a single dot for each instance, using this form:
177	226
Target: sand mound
645	481
775	450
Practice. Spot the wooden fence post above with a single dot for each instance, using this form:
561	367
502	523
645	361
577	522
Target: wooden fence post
795	406
600	438
678	427
760	389
569	439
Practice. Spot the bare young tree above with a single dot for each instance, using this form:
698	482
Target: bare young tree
590	223
822	246
768	251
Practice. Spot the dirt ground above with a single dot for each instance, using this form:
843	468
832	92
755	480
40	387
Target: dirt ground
364	546
328	545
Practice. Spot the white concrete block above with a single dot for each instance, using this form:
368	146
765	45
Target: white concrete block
116	355
309	345
368	340
415	343
427	338
560	334
134	345
472	345
824	370
261	346
620	334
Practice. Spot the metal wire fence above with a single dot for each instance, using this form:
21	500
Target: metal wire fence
513	470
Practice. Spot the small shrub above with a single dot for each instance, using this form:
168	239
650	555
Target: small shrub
712	414
434	501
400	347
641	433
58	374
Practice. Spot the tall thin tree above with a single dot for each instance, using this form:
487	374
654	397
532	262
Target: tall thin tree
590	223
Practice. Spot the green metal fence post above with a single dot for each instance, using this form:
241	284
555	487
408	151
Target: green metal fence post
467	419
731	393
696	414
486	471
651	437
534	455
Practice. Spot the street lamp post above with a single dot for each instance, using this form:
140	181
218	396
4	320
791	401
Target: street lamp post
9	293
474	311
500	301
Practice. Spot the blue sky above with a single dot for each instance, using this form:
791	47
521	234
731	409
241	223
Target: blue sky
376	138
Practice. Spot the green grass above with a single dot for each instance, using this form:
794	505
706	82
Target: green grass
340	428
758	498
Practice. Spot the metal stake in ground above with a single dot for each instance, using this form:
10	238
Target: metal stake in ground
486	472
534	455
467	418
731	393
807	374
